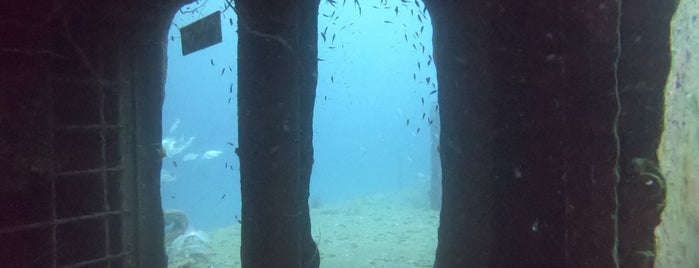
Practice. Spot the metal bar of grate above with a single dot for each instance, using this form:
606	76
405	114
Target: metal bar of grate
52	178
94	261
88	171
89	127
103	173
55	222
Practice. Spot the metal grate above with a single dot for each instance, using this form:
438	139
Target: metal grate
71	214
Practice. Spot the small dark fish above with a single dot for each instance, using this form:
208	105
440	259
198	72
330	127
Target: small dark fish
429	62
414	76
412	13
331	2
172	38
231	167
212	62
417	3
326	97
436	107
226	167
418	65
414	47
319	59
174	163
407	122
406	37
230	143
423	100
229	68
238	220
423	116
387	21
230	20
223	71
333	41
322	34
430	56
331	47
223	196
422	28
429	121
172	197
418	131
423	48
433	86
396	10
405	1
433	91
419	18
230	90
332	79
229	100
427	79
356	3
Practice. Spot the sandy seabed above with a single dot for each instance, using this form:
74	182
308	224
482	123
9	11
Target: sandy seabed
385	230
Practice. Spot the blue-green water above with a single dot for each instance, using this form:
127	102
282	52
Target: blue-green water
376	97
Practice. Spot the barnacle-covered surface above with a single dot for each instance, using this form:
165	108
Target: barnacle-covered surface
678	234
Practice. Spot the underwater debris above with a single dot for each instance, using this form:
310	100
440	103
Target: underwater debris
190	157
211	154
176	223
174	147
174	126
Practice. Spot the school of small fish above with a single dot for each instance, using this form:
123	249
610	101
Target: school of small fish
416	10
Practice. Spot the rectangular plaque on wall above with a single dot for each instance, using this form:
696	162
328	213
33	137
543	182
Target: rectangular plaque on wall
201	34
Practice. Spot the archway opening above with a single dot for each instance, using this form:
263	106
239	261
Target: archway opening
375	184
200	178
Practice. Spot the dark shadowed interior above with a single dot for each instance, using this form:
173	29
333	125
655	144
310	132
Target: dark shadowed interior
551	117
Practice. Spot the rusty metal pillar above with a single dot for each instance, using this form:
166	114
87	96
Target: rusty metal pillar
277	70
551	115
